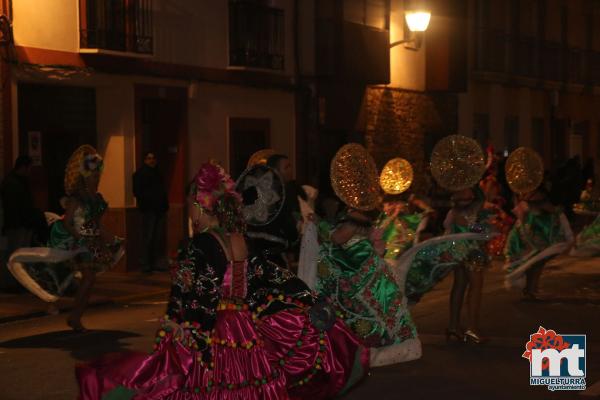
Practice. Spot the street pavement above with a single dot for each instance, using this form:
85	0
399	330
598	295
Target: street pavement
38	355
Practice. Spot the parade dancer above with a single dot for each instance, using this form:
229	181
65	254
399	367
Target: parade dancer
402	220
352	272
236	327
541	232
457	165
495	203
587	243
78	245
468	214
269	233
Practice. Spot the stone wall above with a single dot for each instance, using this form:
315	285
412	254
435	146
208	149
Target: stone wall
407	124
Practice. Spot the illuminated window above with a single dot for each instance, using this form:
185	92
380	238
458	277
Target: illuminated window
256	35
118	25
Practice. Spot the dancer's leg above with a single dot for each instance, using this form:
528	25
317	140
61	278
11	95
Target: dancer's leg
474	295
81	299
474	298
533	279
456	298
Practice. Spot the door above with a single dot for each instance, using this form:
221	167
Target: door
246	136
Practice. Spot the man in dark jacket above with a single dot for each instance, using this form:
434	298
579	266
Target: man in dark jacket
153	203
286	224
21	218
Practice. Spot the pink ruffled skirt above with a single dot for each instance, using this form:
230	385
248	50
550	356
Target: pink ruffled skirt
280	356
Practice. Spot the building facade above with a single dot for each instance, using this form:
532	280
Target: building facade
187	79
508	73
534	77
199	79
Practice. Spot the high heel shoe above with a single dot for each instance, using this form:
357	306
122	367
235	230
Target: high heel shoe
76	326
473	337
453	334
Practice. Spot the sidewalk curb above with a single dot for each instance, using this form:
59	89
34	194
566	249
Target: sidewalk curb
97	303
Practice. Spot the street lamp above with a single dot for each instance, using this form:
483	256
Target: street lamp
417	22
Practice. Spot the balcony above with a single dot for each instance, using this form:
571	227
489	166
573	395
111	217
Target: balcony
256	35
516	56
120	26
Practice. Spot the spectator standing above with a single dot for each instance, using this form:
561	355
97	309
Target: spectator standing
153	204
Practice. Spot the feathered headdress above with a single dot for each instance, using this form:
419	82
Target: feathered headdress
214	191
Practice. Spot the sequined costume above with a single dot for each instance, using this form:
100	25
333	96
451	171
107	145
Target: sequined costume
587	243
400	233
364	292
466	232
501	221
537	236
233	330
98	253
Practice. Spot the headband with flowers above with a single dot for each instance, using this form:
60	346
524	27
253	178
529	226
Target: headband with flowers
214	191
92	163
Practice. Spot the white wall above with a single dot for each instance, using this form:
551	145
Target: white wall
115	116
210	111
47	24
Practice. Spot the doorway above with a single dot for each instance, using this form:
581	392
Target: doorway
62	118
161	127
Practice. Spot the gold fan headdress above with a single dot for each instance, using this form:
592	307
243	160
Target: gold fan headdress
457	162
524	170
354	177
397	176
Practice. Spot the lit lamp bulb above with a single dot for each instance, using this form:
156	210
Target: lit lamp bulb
417	21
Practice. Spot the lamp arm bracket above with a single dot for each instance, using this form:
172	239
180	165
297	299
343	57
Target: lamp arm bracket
399	42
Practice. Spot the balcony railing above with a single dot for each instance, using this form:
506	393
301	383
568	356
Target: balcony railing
528	57
117	25
256	35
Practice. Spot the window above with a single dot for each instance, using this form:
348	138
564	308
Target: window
256	35
598	142
373	13
538	136
582	128
118	25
